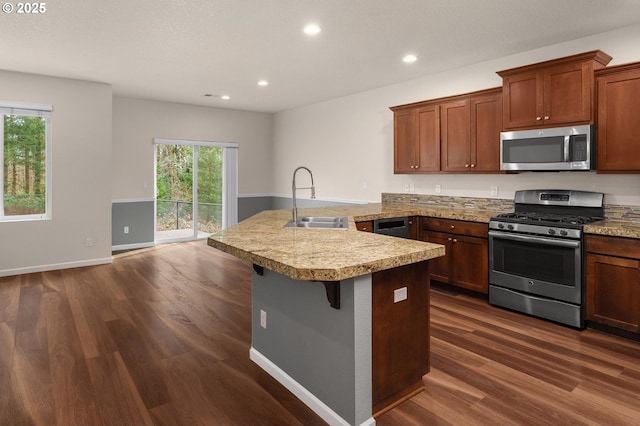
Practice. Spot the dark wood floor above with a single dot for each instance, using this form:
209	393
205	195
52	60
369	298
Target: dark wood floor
162	335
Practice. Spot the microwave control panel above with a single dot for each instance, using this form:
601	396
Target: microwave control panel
578	148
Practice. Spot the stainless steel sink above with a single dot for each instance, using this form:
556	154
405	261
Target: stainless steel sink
321	222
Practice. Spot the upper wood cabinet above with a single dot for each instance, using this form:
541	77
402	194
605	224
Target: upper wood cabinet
416	139
551	93
455	136
460	134
618	129
470	133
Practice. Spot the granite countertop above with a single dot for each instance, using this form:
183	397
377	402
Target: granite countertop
321	254
334	255
614	228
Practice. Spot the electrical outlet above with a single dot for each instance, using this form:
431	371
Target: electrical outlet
412	187
126	229
263	319
494	191
88	242
406	187
438	188
399	294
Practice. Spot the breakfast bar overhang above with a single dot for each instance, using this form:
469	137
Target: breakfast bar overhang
339	317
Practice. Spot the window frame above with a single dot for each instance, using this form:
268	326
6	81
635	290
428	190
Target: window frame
31	110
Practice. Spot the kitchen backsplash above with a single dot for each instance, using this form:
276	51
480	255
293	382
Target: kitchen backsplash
611	211
495	204
618	212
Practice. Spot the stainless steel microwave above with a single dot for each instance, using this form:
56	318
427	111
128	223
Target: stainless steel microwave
553	149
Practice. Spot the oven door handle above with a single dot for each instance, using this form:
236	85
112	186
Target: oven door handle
528	238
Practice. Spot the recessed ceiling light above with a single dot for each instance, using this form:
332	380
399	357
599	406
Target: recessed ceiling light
311	29
263	83
225	97
409	59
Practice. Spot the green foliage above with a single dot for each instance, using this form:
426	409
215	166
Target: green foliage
24	204
174	185
24	167
210	175
174	171
174	165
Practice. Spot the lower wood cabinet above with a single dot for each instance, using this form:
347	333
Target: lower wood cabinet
414	227
613	282
400	340
466	262
365	226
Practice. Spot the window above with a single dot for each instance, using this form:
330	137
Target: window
25	154
196	190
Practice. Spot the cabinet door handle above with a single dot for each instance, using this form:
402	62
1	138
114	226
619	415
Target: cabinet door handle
449	239
546	117
466	165
473	165
455	240
453	226
538	118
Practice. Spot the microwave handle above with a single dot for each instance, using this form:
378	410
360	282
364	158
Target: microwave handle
567	150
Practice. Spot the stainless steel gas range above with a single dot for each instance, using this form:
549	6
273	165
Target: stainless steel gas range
536	254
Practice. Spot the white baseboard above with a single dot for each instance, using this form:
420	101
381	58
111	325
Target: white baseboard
54	267
132	246
309	399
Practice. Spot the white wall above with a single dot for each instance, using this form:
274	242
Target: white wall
81	177
348	142
137	122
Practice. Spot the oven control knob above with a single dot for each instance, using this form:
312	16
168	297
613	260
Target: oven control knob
563	232
501	225
551	231
510	227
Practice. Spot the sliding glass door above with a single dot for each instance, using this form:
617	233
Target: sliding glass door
195	189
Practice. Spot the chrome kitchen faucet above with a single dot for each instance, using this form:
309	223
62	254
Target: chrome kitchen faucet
293	190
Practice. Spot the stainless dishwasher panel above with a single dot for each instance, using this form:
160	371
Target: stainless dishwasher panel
396	227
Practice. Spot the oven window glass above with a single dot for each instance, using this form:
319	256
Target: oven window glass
534	150
537	261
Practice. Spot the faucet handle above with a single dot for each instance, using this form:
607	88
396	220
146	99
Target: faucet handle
313	191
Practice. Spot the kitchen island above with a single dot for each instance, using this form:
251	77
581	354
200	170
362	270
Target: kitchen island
339	317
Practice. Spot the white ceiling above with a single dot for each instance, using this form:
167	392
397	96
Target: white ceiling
178	50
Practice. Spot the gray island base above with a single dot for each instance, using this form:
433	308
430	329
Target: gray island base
346	364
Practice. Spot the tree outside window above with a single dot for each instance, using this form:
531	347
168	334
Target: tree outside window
25	162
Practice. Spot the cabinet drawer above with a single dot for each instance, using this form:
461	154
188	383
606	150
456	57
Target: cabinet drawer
473	229
366	226
614	246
